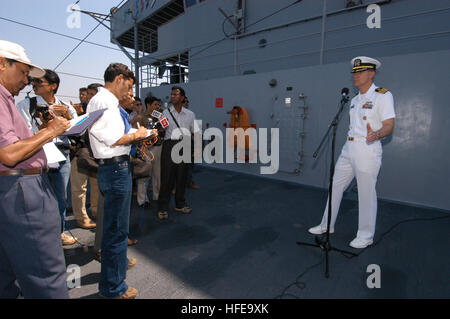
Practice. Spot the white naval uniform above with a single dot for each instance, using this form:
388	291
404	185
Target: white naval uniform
361	159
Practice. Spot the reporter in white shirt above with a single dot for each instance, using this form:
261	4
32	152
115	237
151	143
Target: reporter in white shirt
45	89
173	173
110	142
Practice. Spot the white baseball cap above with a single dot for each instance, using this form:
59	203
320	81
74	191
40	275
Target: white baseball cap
17	53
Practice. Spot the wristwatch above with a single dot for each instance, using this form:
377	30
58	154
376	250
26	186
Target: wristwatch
379	135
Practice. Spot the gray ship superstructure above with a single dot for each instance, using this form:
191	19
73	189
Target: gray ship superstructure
286	62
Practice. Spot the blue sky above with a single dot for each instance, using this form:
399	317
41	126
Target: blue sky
48	50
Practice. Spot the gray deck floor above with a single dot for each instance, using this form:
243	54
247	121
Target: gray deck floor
240	242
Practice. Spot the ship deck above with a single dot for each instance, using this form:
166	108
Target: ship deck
240	242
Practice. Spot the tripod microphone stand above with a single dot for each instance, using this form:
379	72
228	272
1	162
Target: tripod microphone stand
325	245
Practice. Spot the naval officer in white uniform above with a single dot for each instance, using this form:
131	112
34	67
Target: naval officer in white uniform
372	118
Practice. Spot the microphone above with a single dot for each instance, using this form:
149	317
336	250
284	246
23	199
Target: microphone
161	119
344	93
156	114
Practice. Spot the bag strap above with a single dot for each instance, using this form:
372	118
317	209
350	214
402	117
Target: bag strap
33	106
168	109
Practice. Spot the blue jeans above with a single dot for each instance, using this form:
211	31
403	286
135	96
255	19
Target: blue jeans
115	183
59	179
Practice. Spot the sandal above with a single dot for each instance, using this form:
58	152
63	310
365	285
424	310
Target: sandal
184	210
163	215
132	242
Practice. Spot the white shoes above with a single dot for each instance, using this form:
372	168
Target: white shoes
318	230
360	243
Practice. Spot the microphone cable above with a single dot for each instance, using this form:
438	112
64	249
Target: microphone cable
302	285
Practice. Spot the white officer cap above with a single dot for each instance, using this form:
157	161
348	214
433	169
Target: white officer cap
363	63
13	51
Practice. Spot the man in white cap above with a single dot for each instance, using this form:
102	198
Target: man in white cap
31	253
372	118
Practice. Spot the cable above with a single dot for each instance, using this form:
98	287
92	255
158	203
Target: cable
299	284
211	45
268	16
81	244
60	34
302	285
57	95
223	29
74	4
235	33
392	228
65	58
81	76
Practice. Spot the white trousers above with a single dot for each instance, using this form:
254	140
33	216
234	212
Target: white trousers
142	184
363	161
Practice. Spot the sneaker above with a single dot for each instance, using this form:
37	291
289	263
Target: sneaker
163	215
184	210
360	243
318	230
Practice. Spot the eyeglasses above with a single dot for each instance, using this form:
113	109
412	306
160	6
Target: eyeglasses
39	81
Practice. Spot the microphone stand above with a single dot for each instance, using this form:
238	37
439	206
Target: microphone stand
326	245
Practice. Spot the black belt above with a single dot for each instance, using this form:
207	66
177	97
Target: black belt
26	171
115	159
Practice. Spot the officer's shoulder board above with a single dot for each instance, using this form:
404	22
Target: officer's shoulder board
381	90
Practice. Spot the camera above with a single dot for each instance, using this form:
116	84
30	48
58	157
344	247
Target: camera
44	110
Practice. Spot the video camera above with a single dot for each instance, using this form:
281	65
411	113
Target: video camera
44	110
